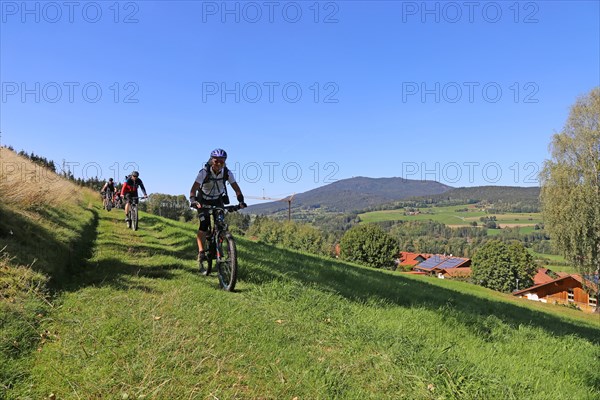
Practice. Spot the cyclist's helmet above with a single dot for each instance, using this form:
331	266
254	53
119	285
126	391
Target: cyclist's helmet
218	153
135	173
110	179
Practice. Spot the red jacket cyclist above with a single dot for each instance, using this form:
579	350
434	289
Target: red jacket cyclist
129	191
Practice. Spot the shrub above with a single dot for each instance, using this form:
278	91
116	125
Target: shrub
369	245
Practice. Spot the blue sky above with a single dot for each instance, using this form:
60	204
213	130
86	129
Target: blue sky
300	94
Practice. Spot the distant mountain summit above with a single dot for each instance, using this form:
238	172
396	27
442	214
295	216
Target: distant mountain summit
355	194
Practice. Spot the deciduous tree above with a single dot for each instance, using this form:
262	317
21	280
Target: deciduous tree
368	244
570	183
501	266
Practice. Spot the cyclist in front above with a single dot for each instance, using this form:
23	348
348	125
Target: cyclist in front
109	187
209	189
130	191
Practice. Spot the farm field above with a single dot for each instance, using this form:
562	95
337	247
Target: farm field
450	215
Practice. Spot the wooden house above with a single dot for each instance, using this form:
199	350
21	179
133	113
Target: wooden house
567	289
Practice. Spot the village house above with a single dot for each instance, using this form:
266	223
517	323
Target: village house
567	289
445	267
544	275
409	259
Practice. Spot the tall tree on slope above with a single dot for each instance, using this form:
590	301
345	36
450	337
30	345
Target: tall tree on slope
570	192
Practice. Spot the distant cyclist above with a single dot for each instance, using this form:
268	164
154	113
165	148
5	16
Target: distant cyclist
130	190
209	189
109	187
118	200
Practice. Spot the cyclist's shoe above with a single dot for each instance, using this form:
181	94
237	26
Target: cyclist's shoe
204	264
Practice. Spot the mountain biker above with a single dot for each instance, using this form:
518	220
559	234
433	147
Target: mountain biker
118	198
109	187
130	190
209	189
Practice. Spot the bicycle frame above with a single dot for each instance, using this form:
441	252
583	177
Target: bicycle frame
133	212
221	248
108	200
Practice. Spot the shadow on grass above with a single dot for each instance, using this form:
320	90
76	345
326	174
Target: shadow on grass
119	274
122	255
31	243
262	263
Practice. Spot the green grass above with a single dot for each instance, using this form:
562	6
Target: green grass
136	321
450	216
39	247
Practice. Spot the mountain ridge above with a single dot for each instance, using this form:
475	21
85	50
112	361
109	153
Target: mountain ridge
355	194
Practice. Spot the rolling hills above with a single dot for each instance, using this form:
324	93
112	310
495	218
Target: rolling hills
355	194
361	193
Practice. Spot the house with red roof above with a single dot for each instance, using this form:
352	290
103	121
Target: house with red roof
453	273
544	275
411	259
445	266
566	289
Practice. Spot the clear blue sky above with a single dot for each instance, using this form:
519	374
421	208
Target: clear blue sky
300	94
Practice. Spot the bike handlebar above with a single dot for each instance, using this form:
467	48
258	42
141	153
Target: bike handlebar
224	208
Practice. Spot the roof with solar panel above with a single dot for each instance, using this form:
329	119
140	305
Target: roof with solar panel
443	262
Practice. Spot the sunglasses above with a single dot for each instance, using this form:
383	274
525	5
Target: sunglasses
219	161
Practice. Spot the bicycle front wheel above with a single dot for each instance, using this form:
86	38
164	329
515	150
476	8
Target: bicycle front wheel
134	217
227	261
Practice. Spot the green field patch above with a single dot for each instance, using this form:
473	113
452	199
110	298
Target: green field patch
450	215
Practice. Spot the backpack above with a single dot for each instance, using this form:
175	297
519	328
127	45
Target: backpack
207	178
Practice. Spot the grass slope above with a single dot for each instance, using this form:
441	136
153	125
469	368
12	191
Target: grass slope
136	321
46	231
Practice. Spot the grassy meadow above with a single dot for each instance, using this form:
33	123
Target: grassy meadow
450	215
132	319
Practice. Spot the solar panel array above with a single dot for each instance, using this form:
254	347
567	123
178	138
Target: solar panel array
431	262
437	261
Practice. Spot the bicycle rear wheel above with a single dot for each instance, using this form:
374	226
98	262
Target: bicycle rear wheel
227	261
108	203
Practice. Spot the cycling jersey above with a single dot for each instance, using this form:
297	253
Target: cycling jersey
109	186
130	186
214	187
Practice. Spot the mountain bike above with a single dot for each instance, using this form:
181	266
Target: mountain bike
132	215
118	201
108	200
220	248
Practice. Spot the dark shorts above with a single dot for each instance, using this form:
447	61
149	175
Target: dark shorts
204	215
131	196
